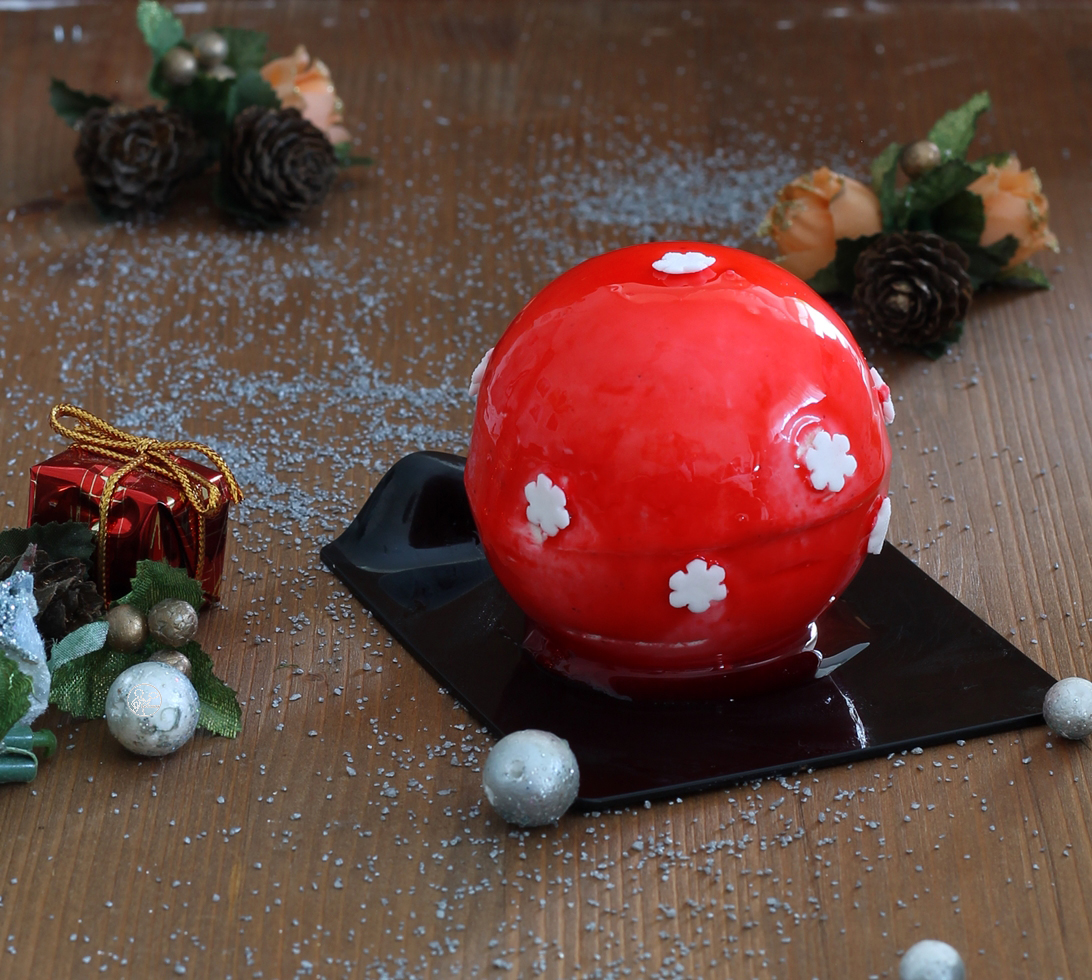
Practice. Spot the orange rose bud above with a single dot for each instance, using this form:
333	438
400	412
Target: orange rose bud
303	84
1015	204
813	212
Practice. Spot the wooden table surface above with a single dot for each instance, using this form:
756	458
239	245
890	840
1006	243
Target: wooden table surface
345	833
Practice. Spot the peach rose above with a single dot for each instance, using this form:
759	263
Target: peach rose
1015	205
303	84
813	212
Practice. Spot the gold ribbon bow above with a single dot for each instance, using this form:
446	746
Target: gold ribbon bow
95	435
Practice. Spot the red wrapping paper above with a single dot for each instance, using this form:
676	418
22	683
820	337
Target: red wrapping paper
148	516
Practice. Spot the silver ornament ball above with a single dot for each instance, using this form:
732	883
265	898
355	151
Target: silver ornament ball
222	73
931	959
1067	707
210	48
172	622
126	628
919	158
531	777
179	67
173	658
152	709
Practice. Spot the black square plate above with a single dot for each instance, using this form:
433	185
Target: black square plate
905	664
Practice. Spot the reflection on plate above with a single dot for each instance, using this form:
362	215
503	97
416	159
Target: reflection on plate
904	663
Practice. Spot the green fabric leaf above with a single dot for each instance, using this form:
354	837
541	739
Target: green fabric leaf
932	190
346	158
59	539
71	104
250	89
840	276
246	49
220	711
161	29
15	688
155	581
988	261
825	281
231	203
954	131
960	219
884	170
87	639
80	686
983	164
1023	276
937	348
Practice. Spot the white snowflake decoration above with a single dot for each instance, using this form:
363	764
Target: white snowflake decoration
479	373
681	263
879	528
698	587
546	505
829	461
883	392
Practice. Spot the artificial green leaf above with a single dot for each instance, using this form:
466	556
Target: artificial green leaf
1023	276
935	350
161	29
840	275
983	164
825	281
81	685
155	581
988	261
59	539
204	101
954	131
15	689
228	201
220	711
246	49
884	171
71	104
346	158
960	219
80	642
250	89
932	190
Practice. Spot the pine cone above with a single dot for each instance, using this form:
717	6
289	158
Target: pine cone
276	164
66	595
913	287
134	161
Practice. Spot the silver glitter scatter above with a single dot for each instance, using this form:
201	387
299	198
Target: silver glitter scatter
1067	707
531	777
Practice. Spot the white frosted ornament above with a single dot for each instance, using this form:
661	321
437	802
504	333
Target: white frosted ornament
1067	707
931	959
531	777
152	709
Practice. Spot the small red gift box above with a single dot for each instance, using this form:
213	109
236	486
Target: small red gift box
156	504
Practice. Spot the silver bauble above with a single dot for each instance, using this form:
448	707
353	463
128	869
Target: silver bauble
531	777
173	658
222	73
931	959
152	709
919	158
210	48
1067	707
172	622
179	67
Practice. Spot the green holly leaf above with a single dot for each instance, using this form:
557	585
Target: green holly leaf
960	219
983	164
59	539
346	158
155	581
71	104
1023	276
935	350
79	643
161	29
81	685
15	689
989	261
884	170
250	89
954	131
246	49
931	190
825	281
840	275
220	711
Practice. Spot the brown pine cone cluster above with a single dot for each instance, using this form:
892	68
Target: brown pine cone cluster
64	590
133	161
913	287
276	164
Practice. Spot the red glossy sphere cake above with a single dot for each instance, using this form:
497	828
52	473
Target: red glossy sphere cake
678	461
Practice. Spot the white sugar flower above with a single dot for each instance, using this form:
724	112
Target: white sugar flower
479	373
879	528
681	263
546	505
698	587
883	392
828	461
